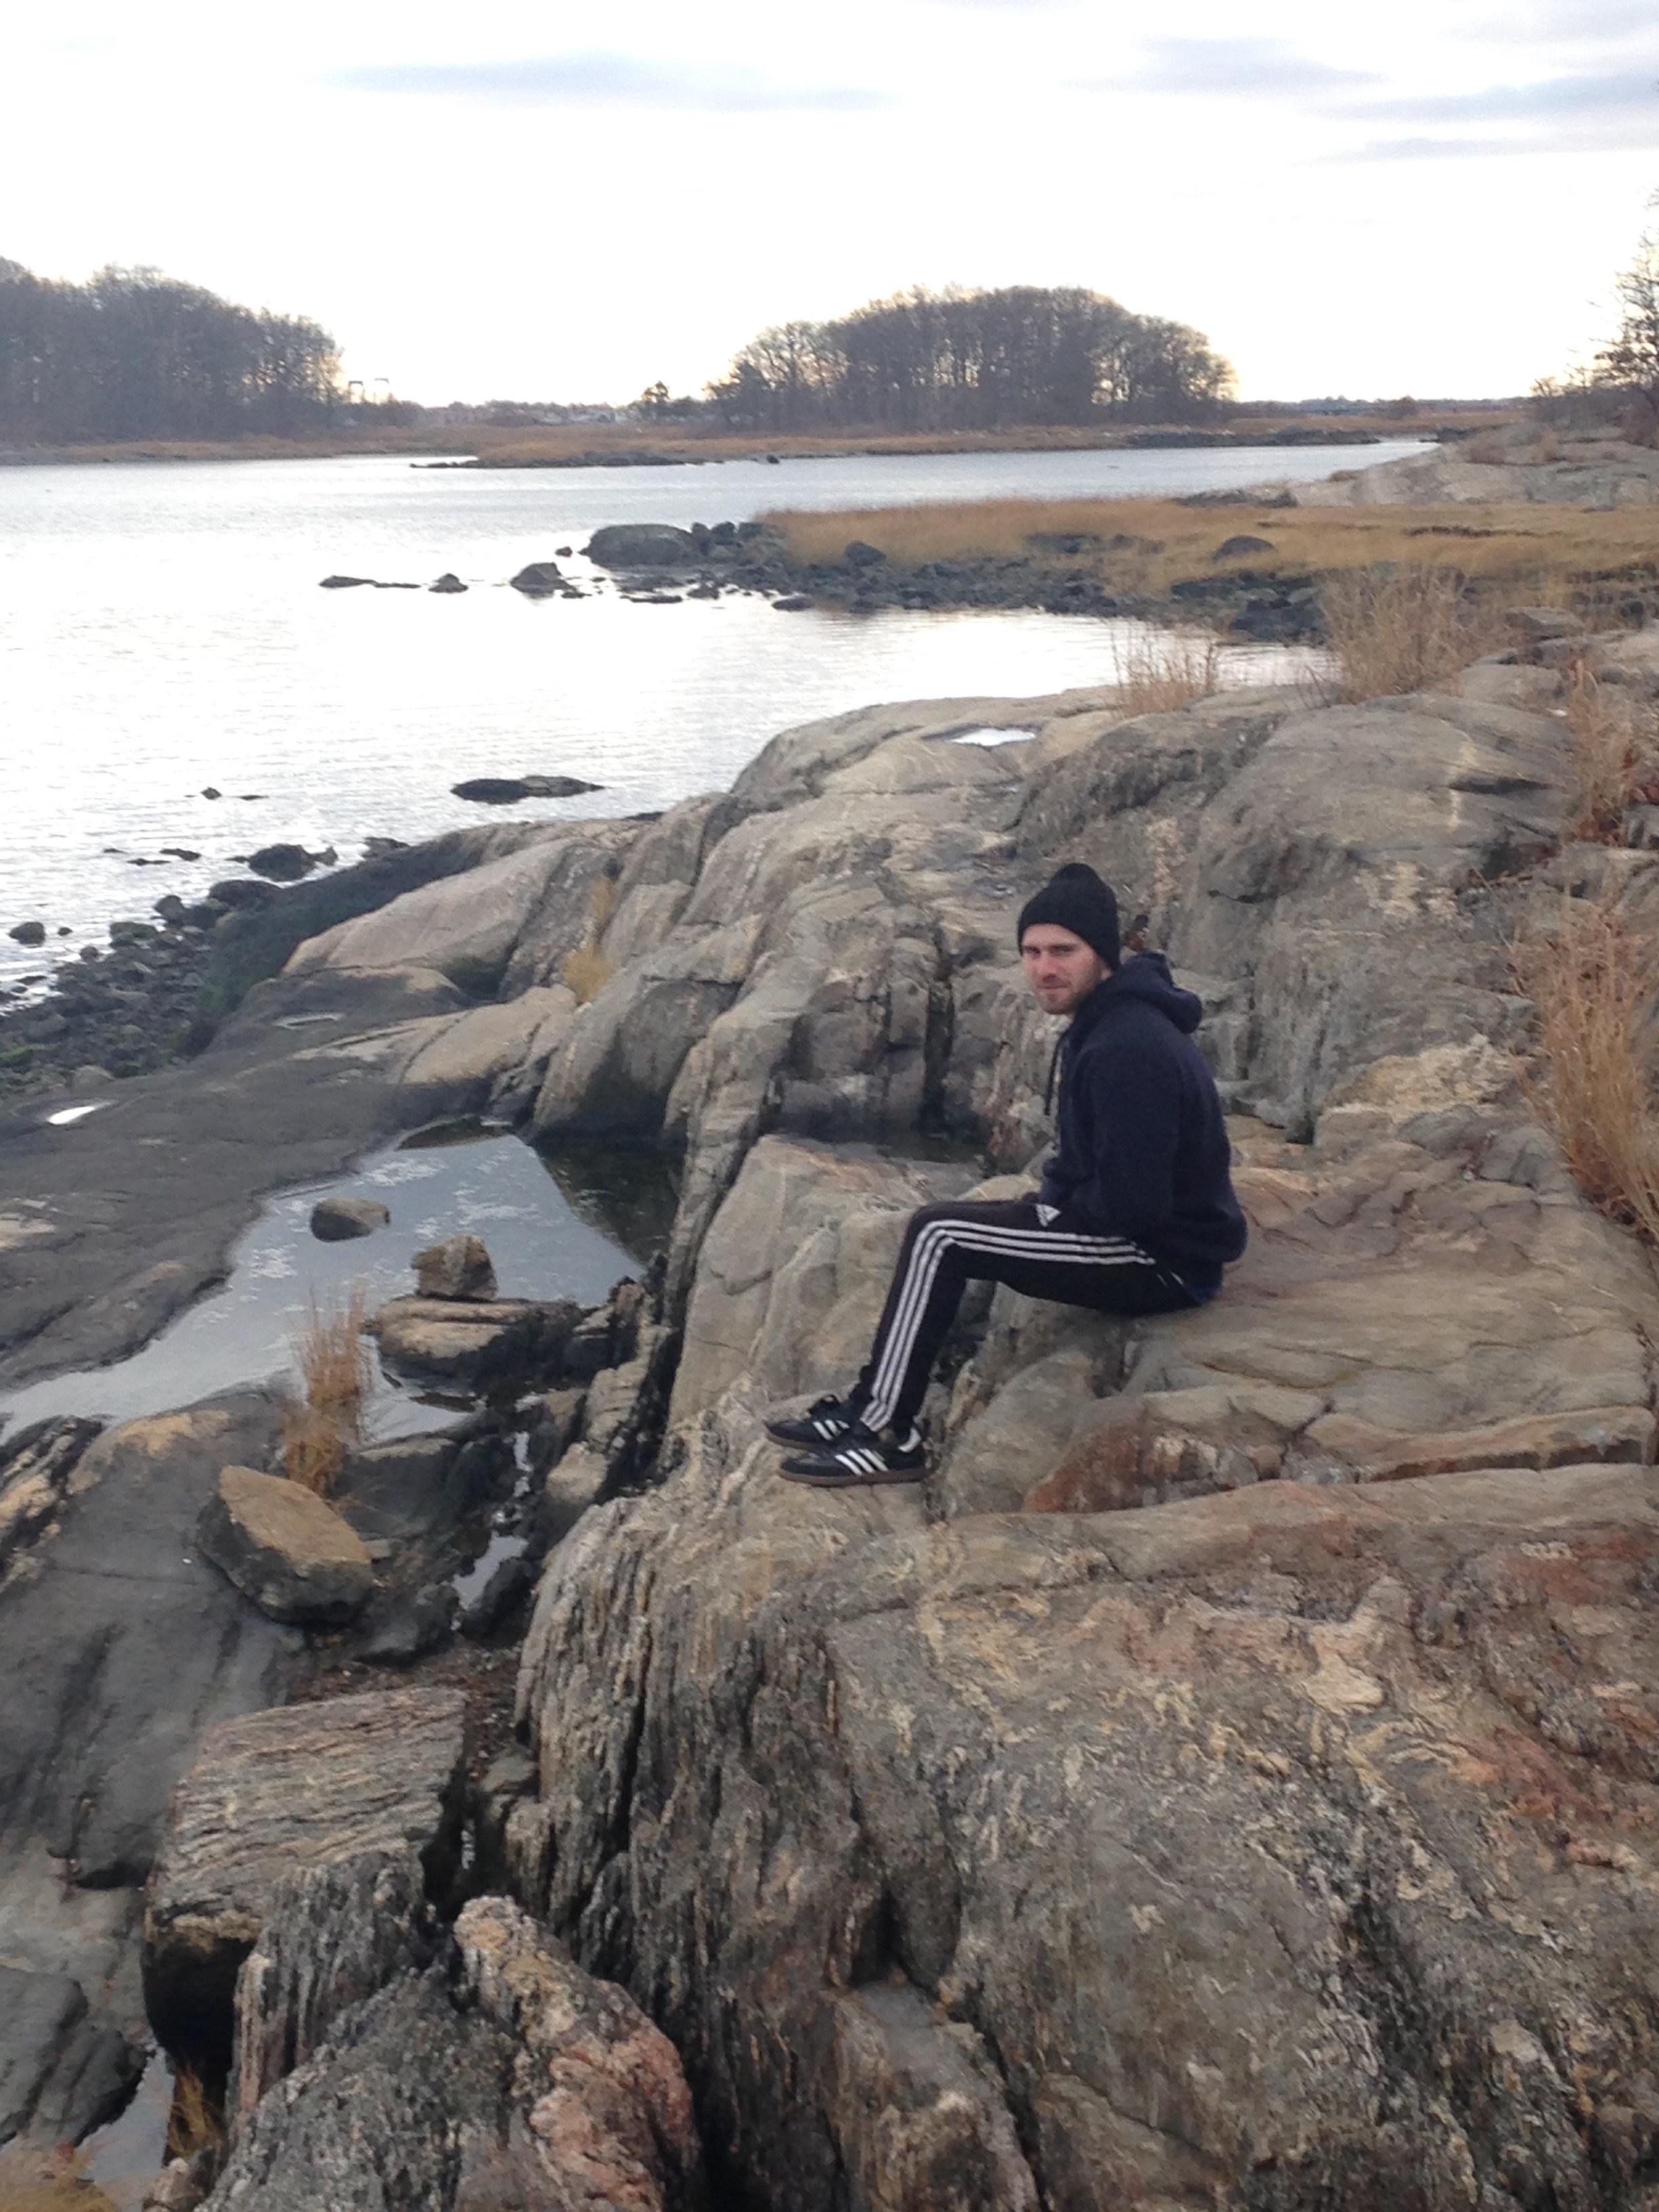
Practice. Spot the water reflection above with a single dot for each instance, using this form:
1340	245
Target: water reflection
554	1230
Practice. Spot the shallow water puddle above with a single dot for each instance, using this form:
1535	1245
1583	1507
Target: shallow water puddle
569	1227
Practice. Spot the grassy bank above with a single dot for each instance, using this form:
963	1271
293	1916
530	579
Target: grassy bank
552	444
1149	547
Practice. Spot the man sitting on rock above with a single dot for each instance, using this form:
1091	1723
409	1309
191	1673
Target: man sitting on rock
1136	1214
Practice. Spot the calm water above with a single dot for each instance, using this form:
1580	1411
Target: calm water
565	1227
161	631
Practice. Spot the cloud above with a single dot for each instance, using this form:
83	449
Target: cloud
1576	21
1553	99
604	80
1229	66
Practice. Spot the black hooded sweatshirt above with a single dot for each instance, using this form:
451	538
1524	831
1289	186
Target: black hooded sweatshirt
1143	1150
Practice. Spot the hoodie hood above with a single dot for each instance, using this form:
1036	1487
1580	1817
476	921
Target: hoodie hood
1145	976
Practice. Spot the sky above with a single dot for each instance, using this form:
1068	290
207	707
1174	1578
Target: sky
558	202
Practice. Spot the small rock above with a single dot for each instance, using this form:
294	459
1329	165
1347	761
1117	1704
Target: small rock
562	551
380	848
1234	548
170	907
285	1548
287	863
341	584
335	1219
507	790
241	891
175	2189
460	1268
642	545
1541	623
27	932
409	1625
795	603
209	792
859	554
448	582
181	852
542	579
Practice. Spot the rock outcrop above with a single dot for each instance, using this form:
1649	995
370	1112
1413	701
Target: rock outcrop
1505	469
503	2075
1228	1778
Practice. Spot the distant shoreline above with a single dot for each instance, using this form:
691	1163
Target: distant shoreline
612	446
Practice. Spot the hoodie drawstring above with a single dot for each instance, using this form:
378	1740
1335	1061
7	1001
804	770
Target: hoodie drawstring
1054	1070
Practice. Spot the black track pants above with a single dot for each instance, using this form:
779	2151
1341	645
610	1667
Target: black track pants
947	1247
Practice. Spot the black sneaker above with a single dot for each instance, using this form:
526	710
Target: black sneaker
861	1457
822	1424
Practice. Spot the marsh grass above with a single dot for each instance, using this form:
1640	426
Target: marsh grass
1593	982
1523	552
1607	733
1157	675
336	1370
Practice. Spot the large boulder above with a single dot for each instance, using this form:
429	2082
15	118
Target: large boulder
473	1340
299	1787
642	545
285	1548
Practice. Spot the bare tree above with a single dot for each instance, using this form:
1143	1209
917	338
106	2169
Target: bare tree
1631	364
966	360
133	353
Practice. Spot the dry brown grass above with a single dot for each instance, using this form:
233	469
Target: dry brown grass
337	1372
196	2121
1593	981
1608	731
1157	675
586	971
1400	630
48	2181
1525	552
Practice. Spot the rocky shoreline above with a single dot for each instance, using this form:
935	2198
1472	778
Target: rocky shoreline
1264	605
1226	1781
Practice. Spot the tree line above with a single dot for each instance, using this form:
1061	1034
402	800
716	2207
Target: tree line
1620	386
961	360
133	353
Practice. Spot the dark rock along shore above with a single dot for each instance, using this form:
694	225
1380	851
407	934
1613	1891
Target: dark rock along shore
1228	1780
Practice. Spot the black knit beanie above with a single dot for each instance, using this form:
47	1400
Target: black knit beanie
1075	898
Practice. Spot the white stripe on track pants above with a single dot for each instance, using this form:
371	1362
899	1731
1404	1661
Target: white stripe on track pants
946	1247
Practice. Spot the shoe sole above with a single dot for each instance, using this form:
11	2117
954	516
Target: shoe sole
888	1475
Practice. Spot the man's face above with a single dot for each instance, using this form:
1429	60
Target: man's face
1060	969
